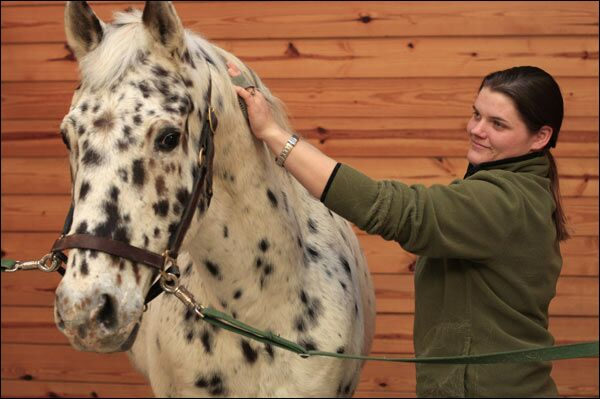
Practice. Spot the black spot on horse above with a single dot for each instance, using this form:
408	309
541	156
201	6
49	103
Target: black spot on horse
250	354
139	173
272	198
299	324
137	119
144	89
340	350
346	266
187	58
91	158
83	190
225	232
343	285
84	268
114	193
313	253
189	336
309	344
303	297
83	107
159	71
206	339
214	384
312	226
213	269
237	294
182	196
161	208
82	228
263	245
269	349
123	175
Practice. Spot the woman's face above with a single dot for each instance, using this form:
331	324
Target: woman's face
496	131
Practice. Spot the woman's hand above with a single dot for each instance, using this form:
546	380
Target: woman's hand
262	123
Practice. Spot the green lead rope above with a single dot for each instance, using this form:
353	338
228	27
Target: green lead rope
219	319
8	264
571	351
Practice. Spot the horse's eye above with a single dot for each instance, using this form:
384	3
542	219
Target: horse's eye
167	139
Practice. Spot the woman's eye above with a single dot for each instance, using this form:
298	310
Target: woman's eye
167	139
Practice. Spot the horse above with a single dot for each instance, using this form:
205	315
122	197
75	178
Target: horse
264	251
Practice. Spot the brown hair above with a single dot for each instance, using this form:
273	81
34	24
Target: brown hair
538	100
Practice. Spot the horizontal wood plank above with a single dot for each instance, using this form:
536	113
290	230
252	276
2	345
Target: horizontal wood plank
580	254
393	332
46	213
578	176
353	58
336	137
27	23
52	363
62	389
578	377
575	296
326	98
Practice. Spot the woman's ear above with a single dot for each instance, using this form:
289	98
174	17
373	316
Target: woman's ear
541	138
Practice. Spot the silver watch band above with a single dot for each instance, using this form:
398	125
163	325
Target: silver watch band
286	150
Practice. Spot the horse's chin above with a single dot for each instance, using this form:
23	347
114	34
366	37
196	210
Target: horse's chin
121	343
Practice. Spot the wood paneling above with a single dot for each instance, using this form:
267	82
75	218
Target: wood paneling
90	372
372	98
353	58
290	19
578	177
580	254
385	87
575	296
49	212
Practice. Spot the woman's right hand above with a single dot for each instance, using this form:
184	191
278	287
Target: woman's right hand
261	119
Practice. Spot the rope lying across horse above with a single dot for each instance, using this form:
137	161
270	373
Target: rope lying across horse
165	265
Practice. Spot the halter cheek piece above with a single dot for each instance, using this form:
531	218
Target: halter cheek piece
163	263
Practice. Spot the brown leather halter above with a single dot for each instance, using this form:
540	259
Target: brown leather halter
164	262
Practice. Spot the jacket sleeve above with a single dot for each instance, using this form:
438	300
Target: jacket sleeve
471	218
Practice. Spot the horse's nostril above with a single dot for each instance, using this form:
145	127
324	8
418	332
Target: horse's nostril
107	315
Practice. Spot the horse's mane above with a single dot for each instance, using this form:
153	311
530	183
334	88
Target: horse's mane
125	41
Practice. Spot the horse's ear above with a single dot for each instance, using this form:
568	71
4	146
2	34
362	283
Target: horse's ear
164	25
83	28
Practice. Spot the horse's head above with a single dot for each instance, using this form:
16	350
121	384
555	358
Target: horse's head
133	133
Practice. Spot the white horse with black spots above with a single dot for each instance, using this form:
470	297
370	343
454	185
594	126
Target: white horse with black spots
264	251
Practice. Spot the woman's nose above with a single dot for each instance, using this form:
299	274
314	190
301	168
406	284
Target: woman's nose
478	129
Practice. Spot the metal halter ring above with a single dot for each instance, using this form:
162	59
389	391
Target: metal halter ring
169	282
43	263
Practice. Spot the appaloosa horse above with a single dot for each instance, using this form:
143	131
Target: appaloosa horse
264	250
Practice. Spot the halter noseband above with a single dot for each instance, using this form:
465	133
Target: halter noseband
164	262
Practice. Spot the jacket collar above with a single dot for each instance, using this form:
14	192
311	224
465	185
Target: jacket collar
512	164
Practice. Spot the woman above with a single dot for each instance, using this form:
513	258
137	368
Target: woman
488	244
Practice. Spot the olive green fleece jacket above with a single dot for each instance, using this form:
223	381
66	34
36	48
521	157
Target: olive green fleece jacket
487	269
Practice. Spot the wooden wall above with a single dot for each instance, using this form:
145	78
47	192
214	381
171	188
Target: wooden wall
384	86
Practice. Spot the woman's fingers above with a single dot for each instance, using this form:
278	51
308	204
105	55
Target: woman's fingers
232	69
243	93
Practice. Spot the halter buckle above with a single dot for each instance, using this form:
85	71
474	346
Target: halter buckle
213	121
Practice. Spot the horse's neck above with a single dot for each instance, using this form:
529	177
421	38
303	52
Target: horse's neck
252	197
